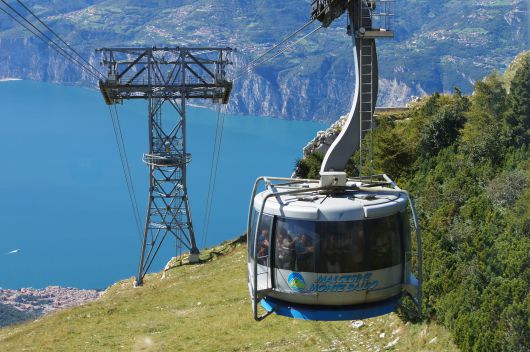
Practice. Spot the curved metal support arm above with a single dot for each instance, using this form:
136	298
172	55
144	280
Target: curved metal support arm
348	140
365	93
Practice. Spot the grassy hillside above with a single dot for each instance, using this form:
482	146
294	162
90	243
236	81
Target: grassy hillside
206	308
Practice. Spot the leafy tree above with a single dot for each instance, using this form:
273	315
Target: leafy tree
309	167
490	96
518	116
504	189
391	154
483	139
443	129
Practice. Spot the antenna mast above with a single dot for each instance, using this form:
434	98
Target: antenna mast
166	77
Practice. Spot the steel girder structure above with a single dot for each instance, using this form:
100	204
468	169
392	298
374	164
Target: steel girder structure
166	77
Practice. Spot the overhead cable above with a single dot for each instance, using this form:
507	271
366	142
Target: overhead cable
90	69
258	61
216	152
126	169
61	39
250	65
47	40
290	46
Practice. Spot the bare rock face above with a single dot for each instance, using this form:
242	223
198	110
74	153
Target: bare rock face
397	93
324	139
28	303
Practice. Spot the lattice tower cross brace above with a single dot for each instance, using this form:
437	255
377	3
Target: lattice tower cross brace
166	77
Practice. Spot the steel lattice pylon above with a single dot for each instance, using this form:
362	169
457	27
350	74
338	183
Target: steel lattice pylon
166	77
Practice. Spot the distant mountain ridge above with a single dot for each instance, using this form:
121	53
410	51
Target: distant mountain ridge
438	46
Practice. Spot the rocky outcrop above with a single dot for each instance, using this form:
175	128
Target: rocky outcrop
28	303
324	139
321	142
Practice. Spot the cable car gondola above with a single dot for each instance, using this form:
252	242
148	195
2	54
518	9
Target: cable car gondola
321	253
337	248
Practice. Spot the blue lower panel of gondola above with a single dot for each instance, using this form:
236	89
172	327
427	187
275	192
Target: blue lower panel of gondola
330	313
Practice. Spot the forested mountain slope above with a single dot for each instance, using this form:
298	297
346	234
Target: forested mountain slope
438	45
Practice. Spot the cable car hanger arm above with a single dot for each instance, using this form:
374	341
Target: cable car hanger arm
364	98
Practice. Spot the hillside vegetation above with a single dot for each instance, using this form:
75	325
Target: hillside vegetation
206	308
466	160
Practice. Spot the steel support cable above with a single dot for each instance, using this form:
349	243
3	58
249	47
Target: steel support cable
35	34
137	212
254	62
290	46
218	141
61	39
51	43
209	192
214	178
128	180
250	64
213	172
125	168
126	172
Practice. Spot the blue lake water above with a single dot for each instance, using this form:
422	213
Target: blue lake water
63	199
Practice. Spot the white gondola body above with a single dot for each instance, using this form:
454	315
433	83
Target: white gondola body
359	246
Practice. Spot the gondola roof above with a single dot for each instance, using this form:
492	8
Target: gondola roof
348	205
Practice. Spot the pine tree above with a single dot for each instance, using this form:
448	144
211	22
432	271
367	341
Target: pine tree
517	118
483	138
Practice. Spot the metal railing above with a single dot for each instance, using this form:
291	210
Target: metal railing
380	12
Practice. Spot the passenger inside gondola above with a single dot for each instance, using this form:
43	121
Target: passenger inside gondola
263	247
330	254
358	250
284	250
304	249
384	242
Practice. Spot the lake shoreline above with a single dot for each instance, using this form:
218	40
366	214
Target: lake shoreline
25	304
